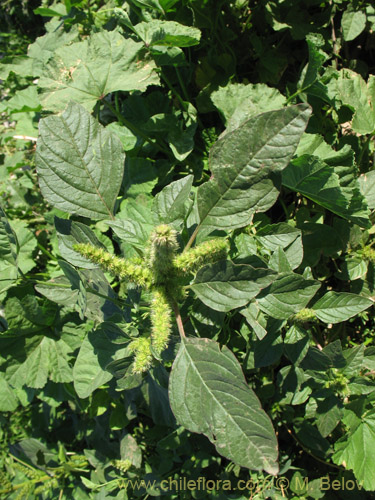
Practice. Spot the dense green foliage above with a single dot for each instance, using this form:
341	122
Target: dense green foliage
187	269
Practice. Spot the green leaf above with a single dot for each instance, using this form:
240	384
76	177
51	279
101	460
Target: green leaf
353	268
126	136
352	23
80	164
367	187
152	4
357	452
140	177
282	236
167	33
323	184
45	46
335	307
317	57
238	102
9	246
318	240
46	12
353	91
287	295
296	344
24	100
27	244
129	450
8	399
244	166
170	204
9	249
225	285
58	290
20	65
209	395
46	359
68	234
131	231
96	352
87	71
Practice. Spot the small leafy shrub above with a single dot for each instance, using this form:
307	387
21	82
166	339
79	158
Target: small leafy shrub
187	272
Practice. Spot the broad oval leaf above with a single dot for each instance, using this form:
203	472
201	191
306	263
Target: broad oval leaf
209	395
245	164
80	164
335	307
225	285
287	295
352	23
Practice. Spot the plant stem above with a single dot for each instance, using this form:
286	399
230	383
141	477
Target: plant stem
192	238
174	91
309	452
46	252
180	326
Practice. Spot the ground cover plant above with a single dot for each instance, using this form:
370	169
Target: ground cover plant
186	237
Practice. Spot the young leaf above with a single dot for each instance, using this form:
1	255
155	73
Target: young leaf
209	395
244	163
80	164
171	203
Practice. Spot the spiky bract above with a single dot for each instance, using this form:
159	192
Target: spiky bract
163	247
129	270
205	253
162	272
160	321
141	347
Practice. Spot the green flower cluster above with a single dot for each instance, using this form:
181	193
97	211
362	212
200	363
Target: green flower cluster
125	269
205	253
304	316
161	271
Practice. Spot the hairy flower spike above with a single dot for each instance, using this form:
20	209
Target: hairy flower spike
368	253
205	253
129	270
122	465
304	315
163	246
143	356
161	321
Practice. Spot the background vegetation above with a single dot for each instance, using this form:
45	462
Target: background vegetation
76	422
